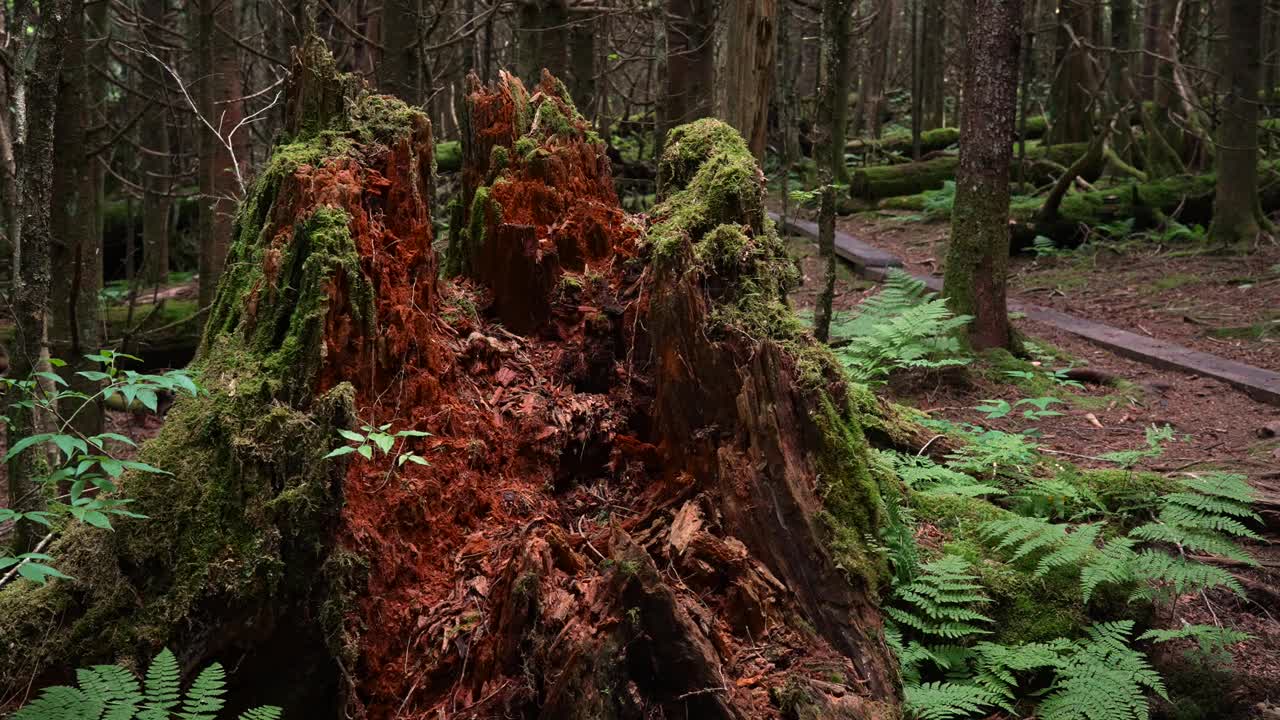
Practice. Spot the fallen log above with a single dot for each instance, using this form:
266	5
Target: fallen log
639	467
885	181
901	143
1187	198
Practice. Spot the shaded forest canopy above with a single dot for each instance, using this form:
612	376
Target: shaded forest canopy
446	359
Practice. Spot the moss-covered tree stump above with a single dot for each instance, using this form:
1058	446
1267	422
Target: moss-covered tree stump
645	490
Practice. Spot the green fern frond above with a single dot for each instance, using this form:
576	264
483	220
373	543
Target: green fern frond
993	451
1191	539
1112	565
1103	679
1025	536
923	475
162	686
1072	550
940	602
204	697
1211	633
945	700
1180	575
110	692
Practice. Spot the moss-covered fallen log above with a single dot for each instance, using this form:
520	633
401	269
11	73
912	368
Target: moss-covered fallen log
1186	198
449	156
901	143
883	181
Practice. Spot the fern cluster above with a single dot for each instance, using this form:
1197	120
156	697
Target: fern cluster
922	475
902	327
111	692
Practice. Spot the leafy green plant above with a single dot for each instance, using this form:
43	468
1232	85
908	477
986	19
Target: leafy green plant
996	408
111	692
364	442
994	452
86	466
938	203
923	475
1102	678
901	327
1044	247
939	603
1156	438
1212	642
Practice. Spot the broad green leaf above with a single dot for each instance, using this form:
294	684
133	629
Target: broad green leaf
350	435
366	451
337	452
25	443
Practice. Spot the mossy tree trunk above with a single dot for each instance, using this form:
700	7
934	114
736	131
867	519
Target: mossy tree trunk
979	251
1236	208
833	92
39	70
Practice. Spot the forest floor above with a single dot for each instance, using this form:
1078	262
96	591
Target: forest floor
1172	295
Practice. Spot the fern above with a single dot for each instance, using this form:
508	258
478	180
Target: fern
998	665
110	692
901	327
941	600
1213	642
923	475
1206	516
1102	679
1054	498
945	700
994	452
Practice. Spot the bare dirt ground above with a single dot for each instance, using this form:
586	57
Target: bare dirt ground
1226	305
1216	426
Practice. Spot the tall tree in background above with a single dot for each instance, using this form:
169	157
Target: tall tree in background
1073	79
38	71
979	250
871	87
221	104
933	63
744	68
834	73
1236	210
833	93
73	219
154	140
400	72
542	39
691	66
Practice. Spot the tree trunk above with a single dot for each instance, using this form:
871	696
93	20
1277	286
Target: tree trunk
220	99
979	252
933	63
833	93
1151	45
875	76
400	72
691	66
73	219
1073	82
542	38
744	68
827	253
582	52
1236	210
36	108
155	163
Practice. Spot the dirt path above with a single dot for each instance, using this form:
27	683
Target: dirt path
1218	304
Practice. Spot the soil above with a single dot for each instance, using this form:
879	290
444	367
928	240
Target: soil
1217	427
1226	305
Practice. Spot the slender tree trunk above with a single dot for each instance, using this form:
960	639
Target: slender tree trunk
1120	77
1271	49
917	79
744	68
220	100
871	95
1235	207
73	219
155	162
827	252
1151	45
36	105
542	39
833	92
690	78
933	40
582	53
979	250
1074	78
399	73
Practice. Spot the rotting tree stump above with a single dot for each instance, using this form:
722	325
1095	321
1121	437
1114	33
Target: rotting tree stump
649	489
